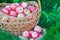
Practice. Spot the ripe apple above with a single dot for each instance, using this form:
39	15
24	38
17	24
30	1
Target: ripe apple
13	13
19	9
26	34
6	10
21	15
24	4
35	35
37	29
30	16
26	11
31	39
32	8
13	6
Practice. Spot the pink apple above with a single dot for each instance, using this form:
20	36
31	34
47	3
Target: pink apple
13	6
30	16
26	11
26	34
35	35
38	29
19	9
21	15
31	39
13	13
6	10
40	35
31	32
32	8
8	7
24	4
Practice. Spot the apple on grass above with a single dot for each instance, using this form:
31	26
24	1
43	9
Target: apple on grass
31	39
37	29
35	35
26	34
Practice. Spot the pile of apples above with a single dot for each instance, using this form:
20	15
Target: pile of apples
19	10
32	35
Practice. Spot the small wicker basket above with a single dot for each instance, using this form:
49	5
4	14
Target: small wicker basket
18	26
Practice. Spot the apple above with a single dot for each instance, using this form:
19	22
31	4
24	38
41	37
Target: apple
24	4
40	35
13	13
31	39
35	35
13	6
6	10
26	34
37	29
19	9
21	15
32	8
31	32
26	11
30	16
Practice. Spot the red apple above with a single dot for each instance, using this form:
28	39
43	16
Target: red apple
13	13
40	35
30	16
13	6
24	4
8	7
38	29
32	8
19	9
26	34
21	15
6	10
31	32
35	35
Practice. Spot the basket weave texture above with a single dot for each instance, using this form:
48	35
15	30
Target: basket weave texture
18	26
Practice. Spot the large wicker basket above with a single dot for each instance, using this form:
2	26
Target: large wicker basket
24	24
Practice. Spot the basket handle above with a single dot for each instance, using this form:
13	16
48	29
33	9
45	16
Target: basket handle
39	4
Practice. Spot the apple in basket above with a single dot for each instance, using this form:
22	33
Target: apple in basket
35	35
13	6
30	17
24	4
31	39
13	13
32	8
8	7
26	34
26	11
19	9
37	29
21	15
6	10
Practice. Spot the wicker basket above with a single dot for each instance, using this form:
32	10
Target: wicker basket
18	26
